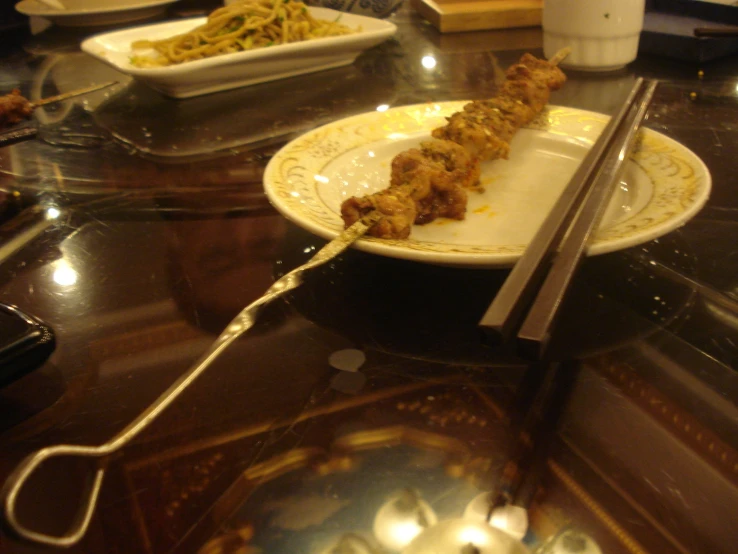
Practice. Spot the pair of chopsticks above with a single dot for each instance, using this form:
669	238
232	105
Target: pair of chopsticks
530	298
525	467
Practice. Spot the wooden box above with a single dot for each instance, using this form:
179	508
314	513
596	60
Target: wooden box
450	16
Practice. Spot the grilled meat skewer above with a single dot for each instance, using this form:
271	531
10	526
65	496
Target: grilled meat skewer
15	108
432	181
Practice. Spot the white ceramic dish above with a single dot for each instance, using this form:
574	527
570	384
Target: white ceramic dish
664	185
602	35
87	13
241	68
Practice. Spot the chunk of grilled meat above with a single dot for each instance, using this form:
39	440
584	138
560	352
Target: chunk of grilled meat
396	206
14	108
485	127
426	183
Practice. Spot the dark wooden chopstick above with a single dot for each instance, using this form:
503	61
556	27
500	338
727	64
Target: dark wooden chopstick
715	32
17	135
525	467
535	331
507	308
557	248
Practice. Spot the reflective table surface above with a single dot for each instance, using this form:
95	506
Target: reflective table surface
136	227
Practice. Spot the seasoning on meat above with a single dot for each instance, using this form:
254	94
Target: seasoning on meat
14	108
432	181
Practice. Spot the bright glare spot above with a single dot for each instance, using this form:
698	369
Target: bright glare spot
371	154
383	107
64	275
404	532
473	535
511	519
479	506
52	213
736	88
428	62
321	178
295	194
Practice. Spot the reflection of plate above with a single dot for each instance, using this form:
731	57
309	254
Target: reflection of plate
202	127
664	185
95	15
239	69
393	306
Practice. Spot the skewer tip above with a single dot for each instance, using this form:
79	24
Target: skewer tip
559	56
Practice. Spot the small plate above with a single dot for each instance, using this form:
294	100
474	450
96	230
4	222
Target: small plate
239	69
94	16
664	184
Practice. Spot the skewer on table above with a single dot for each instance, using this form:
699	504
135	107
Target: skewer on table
72	94
14	107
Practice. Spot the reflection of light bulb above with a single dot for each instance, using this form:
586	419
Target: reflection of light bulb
573	541
401	519
64	275
462	536
351	543
478	508
52	213
428	62
511	519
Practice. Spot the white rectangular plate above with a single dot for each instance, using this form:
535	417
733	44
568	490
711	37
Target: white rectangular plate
239	69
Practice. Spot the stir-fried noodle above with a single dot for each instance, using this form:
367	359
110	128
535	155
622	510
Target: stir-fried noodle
243	25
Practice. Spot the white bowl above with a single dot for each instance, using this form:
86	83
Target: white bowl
603	34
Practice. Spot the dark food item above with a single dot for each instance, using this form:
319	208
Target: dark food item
431	182
14	108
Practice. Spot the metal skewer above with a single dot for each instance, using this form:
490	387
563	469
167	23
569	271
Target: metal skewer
72	94
239	325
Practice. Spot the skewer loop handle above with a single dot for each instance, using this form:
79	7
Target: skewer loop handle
18	479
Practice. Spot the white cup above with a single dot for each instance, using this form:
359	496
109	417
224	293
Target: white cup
602	34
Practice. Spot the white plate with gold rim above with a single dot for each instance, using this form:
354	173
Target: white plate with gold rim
664	185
